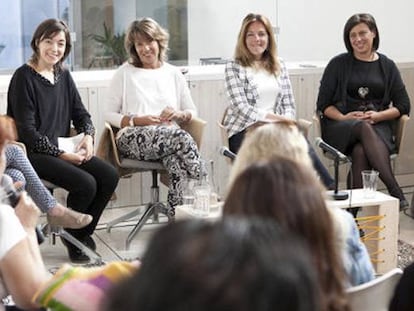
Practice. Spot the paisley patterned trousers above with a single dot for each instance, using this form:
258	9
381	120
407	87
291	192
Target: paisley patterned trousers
172	146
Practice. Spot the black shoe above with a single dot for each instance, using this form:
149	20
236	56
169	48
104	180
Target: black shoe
89	242
403	205
75	254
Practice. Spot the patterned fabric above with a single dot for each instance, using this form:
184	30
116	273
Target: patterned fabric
81	288
18	167
174	147
242	94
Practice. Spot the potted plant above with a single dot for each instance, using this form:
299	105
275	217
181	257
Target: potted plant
112	45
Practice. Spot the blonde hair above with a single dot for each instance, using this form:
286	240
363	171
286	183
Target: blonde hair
269	140
242	54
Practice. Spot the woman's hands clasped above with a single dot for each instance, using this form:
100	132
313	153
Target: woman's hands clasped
82	154
370	116
169	114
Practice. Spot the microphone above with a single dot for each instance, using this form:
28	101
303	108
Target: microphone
227	153
328	148
13	195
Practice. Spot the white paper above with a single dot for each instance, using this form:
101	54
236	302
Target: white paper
68	144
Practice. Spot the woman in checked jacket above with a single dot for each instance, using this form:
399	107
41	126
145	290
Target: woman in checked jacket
258	86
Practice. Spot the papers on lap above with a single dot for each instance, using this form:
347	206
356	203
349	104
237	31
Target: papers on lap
68	144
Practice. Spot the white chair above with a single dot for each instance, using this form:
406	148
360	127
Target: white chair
375	295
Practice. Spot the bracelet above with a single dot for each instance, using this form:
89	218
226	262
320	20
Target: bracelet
131	120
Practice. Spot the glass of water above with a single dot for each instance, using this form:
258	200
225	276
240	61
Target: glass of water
202	200
188	192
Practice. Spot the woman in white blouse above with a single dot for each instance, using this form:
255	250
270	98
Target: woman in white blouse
147	99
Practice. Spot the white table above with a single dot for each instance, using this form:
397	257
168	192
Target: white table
383	244
185	211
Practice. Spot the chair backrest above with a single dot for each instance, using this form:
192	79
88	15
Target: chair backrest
399	131
376	294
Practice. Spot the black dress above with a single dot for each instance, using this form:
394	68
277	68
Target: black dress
353	85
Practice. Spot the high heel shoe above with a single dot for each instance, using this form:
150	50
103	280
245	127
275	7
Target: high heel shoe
70	219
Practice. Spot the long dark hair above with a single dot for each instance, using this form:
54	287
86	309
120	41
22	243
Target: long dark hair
236	264
289	193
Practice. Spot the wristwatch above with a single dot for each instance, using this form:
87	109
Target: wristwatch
131	120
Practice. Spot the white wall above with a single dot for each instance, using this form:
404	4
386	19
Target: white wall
310	30
213	25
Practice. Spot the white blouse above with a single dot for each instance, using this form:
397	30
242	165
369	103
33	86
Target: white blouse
11	233
139	91
268	89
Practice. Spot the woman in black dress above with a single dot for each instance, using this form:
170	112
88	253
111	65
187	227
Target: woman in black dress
360	96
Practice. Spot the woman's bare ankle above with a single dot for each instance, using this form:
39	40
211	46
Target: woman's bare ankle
57	210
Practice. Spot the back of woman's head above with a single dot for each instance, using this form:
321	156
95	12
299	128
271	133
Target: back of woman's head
7	131
237	264
268	141
289	193
283	190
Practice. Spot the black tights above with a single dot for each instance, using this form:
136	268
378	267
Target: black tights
370	152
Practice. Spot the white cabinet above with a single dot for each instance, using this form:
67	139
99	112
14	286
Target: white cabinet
210	99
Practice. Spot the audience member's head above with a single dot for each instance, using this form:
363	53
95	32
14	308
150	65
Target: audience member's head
270	140
242	264
289	193
7	133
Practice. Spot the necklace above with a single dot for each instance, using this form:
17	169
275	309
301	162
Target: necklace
363	90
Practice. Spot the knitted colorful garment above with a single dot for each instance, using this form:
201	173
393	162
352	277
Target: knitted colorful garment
82	288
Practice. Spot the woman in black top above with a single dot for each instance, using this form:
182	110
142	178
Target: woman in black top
360	96
44	102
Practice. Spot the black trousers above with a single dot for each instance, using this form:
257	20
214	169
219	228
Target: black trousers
89	185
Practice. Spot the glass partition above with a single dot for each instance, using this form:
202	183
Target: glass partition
201	31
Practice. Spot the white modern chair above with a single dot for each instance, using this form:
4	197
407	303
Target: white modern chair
375	295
